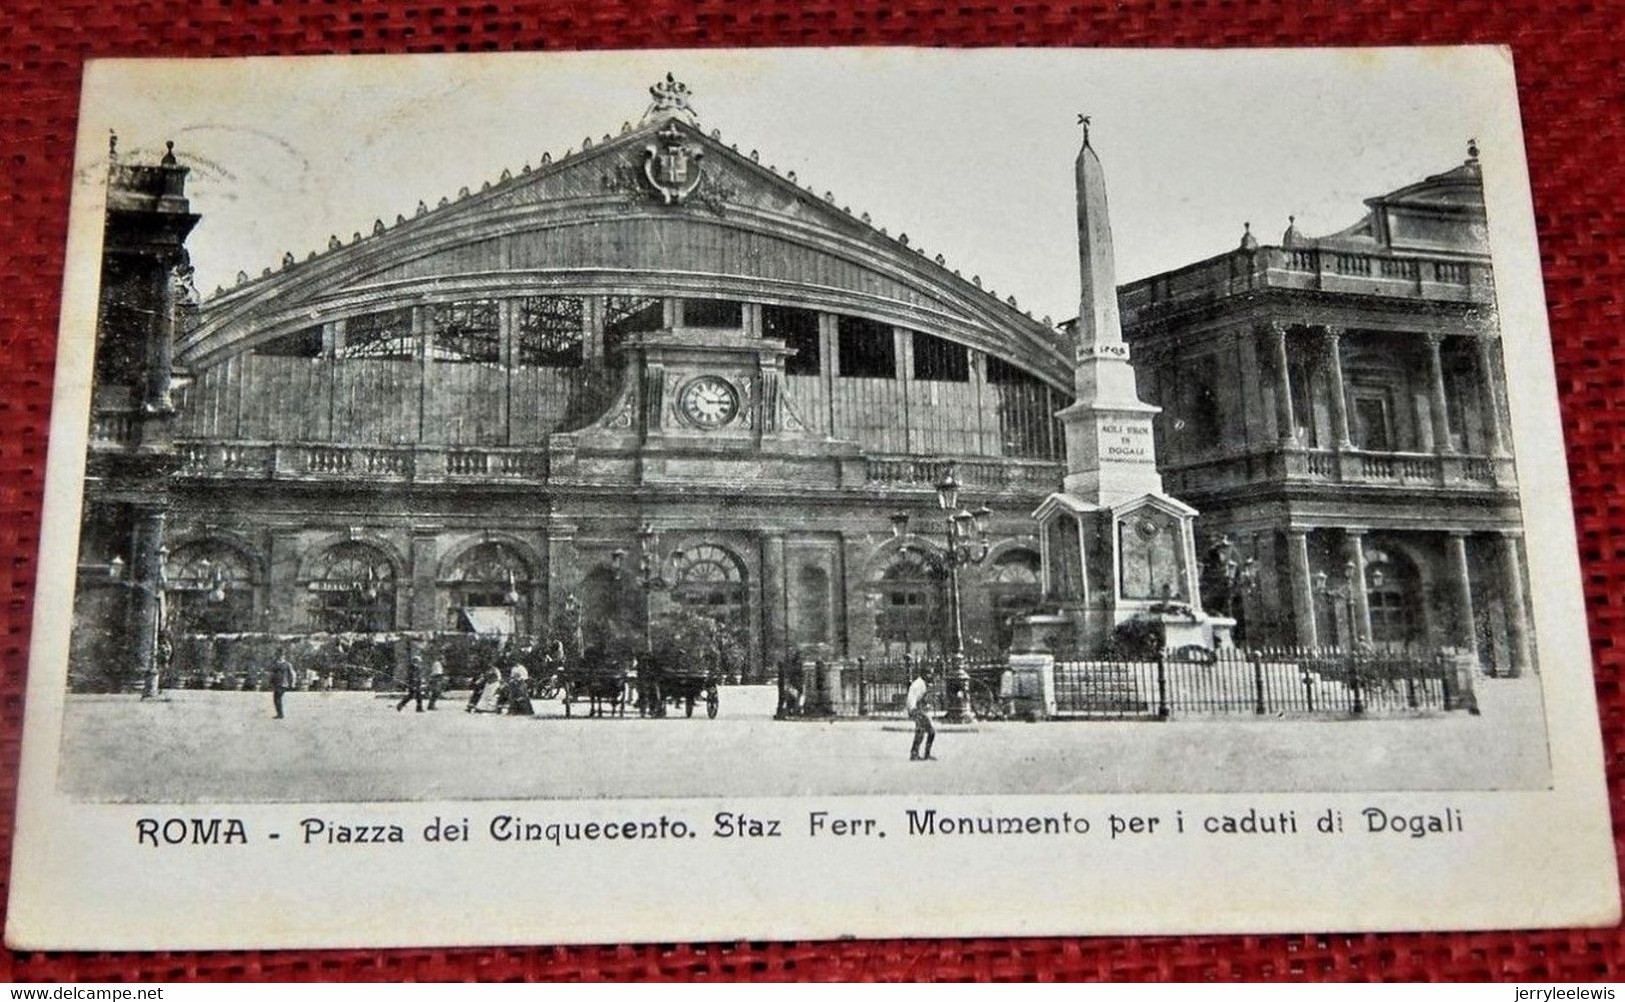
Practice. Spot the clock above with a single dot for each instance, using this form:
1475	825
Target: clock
708	402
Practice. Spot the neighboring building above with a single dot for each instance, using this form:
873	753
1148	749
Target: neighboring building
146	300
1335	408
466	419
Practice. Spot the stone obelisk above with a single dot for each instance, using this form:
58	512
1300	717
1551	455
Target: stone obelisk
1115	546
1109	452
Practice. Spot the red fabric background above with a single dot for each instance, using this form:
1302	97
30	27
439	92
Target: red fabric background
1572	89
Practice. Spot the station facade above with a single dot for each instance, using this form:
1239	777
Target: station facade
657	372
652	371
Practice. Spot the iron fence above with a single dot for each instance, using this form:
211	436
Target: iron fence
863	687
1278	682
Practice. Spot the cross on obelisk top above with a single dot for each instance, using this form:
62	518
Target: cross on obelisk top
1084	121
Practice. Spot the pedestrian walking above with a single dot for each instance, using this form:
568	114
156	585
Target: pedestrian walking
281	680
437	681
414	685
918	707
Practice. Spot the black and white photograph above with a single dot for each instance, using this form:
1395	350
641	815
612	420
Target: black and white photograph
933	429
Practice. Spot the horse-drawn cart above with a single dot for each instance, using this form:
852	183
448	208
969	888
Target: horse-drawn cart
689	688
658	690
602	687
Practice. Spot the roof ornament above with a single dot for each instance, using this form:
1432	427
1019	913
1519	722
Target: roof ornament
1291	238
1249	243
333	241
377	227
169	153
112	144
287	259
422	207
670	97
1472	151
1084	121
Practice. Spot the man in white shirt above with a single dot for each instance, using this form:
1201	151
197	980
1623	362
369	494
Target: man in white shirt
925	733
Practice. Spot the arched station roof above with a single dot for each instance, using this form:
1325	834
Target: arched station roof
604	221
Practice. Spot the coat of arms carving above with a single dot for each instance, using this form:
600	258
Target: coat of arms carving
672	166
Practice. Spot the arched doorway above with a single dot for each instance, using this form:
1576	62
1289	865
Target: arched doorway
209	588
1394	595
711	581
353	590
1014	587
489	591
912	607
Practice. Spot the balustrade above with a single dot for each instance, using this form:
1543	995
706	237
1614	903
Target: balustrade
113	428
987	473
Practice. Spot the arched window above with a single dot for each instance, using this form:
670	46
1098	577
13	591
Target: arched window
209	588
353	590
711	582
489	590
1014	587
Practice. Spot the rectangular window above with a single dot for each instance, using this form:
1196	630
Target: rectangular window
386	335
728	313
940	360
867	349
467	331
625	315
300	344
550	331
1373	430
1002	373
798	329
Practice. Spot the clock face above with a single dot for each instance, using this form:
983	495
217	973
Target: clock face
709	402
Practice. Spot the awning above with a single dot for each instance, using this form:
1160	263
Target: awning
493	620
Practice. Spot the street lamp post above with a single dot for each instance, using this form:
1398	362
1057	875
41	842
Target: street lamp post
966	543
648	578
1343	591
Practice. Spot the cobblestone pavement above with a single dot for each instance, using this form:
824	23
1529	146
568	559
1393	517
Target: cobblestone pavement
350	746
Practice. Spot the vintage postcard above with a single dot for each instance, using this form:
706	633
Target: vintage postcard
758	494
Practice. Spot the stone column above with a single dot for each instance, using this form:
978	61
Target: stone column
1440	406
828	358
1303	596
1468	639
160	344
592	329
1354	550
774	612
1489	383
1252	418
1331	344
857	611
146	590
563	578
1285	428
1512	597
421	613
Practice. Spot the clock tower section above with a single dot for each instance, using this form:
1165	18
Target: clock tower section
708	404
